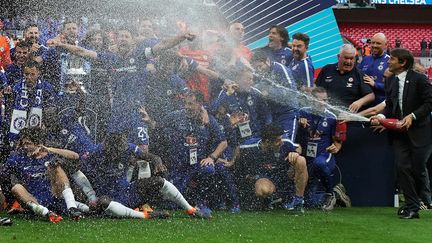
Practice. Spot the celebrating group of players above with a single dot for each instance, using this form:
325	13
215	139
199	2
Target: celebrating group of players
91	126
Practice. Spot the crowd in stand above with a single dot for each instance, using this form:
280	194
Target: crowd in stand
109	120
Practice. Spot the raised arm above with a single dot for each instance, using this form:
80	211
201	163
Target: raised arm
76	50
171	42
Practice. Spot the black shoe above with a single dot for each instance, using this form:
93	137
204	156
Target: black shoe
5	222
410	215
74	213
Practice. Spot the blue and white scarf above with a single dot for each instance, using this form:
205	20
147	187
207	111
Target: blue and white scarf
27	112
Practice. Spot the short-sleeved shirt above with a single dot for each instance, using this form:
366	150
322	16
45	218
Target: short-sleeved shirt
343	89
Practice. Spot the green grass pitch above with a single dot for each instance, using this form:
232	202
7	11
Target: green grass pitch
340	225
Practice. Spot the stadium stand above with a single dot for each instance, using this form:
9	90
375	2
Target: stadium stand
410	34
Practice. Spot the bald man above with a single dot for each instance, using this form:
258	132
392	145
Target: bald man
236	33
375	65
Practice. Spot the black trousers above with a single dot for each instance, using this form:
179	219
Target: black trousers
412	175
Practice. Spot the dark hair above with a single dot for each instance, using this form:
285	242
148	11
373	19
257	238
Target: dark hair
30	26
271	131
318	89
34	134
259	56
68	21
32	64
403	55
92	33
23	44
199	96
302	37
283	33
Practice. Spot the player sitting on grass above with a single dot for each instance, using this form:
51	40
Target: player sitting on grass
37	178
107	167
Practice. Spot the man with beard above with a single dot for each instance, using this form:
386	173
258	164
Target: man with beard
344	82
129	74
31	36
375	65
61	66
194	143
301	66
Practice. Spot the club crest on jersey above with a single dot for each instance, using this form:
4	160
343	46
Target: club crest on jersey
283	61
131	61
380	67
250	101
64	131
169	92
351	79
1	49
295	67
34	120
324	124
120	166
19	123
276	155
190	140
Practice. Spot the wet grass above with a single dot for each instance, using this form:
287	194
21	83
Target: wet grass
340	225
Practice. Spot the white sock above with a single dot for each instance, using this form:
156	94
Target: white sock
82	207
119	210
37	208
81	180
69	198
170	192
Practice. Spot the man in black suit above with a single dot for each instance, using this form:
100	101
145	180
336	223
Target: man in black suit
409	99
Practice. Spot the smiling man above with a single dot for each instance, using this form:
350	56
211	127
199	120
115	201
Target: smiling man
375	65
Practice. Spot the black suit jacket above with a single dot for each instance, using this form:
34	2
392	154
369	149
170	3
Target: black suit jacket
417	99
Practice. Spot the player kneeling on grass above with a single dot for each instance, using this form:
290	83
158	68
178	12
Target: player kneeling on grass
37	179
107	169
266	163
